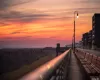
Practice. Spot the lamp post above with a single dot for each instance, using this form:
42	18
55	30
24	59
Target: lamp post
76	12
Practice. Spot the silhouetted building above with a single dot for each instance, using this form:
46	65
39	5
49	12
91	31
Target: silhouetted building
80	44
85	40
90	39
96	31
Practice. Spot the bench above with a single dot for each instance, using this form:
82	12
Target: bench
83	57
80	54
90	62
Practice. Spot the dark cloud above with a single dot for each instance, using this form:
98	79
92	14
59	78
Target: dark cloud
5	4
91	1
15	38
83	10
15	16
11	16
15	32
4	24
95	2
88	10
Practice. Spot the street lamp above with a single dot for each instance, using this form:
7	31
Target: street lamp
76	12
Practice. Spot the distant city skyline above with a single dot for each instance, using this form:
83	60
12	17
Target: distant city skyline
42	23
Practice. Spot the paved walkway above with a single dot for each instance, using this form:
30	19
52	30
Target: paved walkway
75	71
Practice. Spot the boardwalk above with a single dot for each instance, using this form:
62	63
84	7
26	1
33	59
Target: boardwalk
75	70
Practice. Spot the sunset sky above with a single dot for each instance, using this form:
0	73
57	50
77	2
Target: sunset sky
41	23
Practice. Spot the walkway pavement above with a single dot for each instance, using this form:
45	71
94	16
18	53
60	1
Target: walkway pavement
75	72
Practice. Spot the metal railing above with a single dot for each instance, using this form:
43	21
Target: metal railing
56	69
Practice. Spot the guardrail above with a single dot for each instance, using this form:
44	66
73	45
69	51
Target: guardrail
56	69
